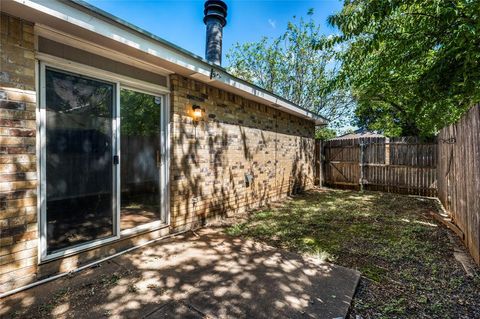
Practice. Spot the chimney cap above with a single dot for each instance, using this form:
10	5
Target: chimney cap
215	9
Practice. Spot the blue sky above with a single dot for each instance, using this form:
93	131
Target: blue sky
180	22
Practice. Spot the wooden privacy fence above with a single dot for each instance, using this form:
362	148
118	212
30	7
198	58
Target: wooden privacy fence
402	165
448	167
459	176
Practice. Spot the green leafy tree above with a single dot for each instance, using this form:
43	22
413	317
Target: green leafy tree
140	114
292	67
325	133
413	66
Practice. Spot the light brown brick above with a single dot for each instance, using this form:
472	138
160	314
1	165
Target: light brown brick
208	165
27	236
6	241
18	95
18	256
5	250
235	136
16	274
18	264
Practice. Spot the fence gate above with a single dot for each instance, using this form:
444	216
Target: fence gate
404	165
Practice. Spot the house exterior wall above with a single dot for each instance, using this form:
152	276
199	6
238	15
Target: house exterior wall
234	137
208	160
18	177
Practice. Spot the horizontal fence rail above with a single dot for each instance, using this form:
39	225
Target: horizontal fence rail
447	167
404	165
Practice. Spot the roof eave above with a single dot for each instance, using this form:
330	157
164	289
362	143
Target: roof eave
84	15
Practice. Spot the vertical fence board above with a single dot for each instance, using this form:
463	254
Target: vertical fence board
448	168
400	165
458	176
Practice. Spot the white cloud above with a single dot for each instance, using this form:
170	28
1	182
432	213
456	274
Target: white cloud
272	23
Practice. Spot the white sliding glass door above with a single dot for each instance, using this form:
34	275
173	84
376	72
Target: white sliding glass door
140	159
103	159
78	159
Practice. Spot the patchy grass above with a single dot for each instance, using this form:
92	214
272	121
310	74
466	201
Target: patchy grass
405	257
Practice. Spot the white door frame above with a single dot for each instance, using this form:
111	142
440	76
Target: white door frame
119	82
164	160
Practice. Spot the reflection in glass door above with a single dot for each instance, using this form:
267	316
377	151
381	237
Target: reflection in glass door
140	156
78	160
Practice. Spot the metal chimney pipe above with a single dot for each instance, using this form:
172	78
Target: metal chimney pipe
215	19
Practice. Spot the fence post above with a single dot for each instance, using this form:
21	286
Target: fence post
318	162
361	163
387	151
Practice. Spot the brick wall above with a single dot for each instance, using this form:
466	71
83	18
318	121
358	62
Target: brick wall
18	215
234	137
208	165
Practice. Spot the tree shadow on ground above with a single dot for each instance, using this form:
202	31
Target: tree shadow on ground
209	162
208	274
405	256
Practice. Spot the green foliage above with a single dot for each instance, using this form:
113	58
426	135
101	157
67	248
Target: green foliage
292	67
325	133
140	114
413	65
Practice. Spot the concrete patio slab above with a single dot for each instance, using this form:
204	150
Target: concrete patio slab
200	275
175	310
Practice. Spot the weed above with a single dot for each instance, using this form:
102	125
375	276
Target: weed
132	288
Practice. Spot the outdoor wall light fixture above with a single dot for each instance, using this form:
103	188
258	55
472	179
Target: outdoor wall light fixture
197	114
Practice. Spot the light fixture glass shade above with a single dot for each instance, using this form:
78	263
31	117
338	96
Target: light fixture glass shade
197	112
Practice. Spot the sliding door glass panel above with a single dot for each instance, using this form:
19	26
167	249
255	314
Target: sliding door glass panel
79	172
140	158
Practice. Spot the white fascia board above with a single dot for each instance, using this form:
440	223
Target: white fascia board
79	43
123	34
83	19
